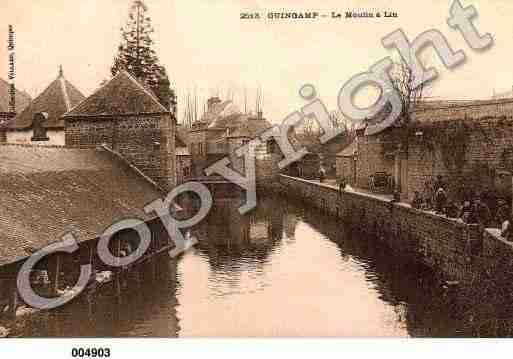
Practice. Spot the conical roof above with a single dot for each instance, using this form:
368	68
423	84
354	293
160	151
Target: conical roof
57	99
22	98
122	95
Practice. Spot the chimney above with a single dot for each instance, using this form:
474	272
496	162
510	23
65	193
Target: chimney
39	130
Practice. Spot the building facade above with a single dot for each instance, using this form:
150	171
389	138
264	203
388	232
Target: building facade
124	116
183	157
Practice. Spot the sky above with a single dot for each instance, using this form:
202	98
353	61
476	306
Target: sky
204	45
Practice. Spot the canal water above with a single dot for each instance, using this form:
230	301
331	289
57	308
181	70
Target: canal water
285	270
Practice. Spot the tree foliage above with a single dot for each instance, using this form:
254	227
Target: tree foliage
137	56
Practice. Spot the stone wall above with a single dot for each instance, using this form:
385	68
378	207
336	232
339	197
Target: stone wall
444	244
489	148
148	142
488	152
56	137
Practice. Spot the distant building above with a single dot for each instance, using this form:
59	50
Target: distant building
308	166
266	154
249	127
327	151
183	157
208	136
41	121
224	128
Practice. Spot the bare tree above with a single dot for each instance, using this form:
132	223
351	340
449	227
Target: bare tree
190	112
403	82
259	99
337	120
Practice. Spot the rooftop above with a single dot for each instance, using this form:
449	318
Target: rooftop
57	99
122	95
217	109
250	127
22	98
48	191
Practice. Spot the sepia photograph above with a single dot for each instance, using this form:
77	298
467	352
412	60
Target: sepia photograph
255	169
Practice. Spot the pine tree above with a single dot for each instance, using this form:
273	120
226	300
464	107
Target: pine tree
136	55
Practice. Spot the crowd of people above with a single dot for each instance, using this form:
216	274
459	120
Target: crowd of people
485	209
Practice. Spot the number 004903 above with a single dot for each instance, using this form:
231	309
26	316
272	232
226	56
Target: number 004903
90	352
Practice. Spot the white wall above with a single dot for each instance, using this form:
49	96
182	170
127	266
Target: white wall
56	137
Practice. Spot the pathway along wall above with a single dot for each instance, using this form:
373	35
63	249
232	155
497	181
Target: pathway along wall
455	249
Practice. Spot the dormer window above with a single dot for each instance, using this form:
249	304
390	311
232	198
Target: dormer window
39	130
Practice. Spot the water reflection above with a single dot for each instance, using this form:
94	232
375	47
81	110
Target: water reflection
282	270
285	270
146	309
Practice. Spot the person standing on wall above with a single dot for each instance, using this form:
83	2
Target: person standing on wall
341	186
322	174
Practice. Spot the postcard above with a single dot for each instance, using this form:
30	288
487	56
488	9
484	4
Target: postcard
255	169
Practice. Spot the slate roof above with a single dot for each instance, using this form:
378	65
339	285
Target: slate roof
57	99
47	191
228	121
22	98
122	95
